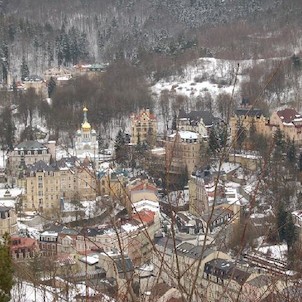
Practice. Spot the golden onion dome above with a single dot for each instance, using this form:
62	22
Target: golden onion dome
86	126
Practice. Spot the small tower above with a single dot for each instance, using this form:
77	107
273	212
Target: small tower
86	139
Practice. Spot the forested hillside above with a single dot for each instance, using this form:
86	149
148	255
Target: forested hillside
47	33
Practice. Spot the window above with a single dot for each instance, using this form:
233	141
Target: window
40	177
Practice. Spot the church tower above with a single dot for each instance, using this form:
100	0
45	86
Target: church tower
86	144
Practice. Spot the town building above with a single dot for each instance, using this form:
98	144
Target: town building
182	152
245	118
59	74
78	180
27	153
198	198
143	127
113	183
23	247
42	188
196	121
48	243
8	221
86	143
289	121
188	263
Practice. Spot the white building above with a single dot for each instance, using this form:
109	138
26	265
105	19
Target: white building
86	143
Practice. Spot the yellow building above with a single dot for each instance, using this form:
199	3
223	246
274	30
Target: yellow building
183	150
290	123
28	152
143	127
246	117
113	184
42	188
86	183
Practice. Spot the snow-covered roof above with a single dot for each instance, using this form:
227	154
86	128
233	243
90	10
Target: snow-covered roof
146	205
185	135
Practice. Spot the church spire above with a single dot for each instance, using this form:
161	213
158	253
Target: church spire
85	125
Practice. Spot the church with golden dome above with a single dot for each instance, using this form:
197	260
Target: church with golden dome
86	144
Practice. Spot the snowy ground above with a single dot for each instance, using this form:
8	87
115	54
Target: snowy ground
27	292
206	75
278	252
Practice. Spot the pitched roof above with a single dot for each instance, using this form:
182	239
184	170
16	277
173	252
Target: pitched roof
288	115
30	145
124	265
144	216
40	166
230	271
143	186
196	116
249	112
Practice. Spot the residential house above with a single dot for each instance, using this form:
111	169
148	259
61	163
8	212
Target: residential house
289	121
113	184
60	74
143	127
119	267
198	198
48	243
23	247
78	180
36	82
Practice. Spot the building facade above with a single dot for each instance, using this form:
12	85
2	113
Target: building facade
195	121
247	118
42	188
182	152
27	153
198	197
143	127
289	121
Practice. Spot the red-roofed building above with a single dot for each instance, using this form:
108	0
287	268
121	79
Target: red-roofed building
139	190
290	123
23	247
145	217
140	246
143	127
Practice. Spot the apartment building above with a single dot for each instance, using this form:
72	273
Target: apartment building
112	183
42	188
143	127
27	153
48	243
183	150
